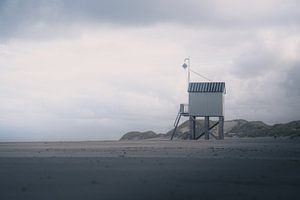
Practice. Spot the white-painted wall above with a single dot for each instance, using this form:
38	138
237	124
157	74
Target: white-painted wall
206	104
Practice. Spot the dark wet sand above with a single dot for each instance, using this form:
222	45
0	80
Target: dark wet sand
230	169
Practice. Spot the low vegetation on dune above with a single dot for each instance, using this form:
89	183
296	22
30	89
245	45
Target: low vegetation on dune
232	128
136	135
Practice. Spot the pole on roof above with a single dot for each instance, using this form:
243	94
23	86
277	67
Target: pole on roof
187	64
189	69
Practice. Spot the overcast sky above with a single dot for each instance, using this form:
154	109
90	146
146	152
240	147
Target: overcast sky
87	70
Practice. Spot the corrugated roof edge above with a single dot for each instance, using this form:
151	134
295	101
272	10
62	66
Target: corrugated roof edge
207	87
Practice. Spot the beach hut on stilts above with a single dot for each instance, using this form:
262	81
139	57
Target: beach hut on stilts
205	100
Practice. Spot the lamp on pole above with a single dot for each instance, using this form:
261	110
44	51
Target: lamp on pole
187	65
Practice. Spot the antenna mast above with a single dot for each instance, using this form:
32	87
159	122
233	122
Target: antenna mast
187	64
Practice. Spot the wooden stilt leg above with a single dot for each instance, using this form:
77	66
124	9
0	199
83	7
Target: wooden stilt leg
206	127
194	127
191	127
221	127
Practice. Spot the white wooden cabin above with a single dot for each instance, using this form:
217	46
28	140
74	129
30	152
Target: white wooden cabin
206	99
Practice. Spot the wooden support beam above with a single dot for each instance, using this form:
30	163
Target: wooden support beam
206	127
213	136
192	123
221	128
194	127
214	126
200	135
191	127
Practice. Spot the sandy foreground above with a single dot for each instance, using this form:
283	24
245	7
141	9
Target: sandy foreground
264	168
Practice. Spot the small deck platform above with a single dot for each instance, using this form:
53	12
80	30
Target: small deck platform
184	109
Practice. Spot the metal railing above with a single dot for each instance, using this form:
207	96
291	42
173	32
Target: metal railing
184	108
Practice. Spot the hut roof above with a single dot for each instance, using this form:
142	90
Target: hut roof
206	87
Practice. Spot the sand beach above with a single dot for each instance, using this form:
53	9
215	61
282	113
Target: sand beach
264	168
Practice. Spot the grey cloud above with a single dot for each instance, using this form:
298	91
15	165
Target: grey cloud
255	62
270	94
291	83
36	18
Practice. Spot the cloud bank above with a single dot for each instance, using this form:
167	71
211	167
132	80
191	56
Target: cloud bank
84	70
